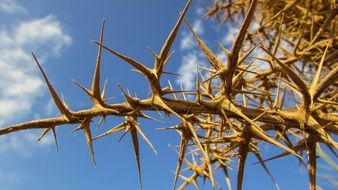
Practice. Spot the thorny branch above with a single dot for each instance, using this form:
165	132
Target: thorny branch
253	102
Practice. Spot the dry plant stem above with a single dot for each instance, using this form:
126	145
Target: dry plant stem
291	103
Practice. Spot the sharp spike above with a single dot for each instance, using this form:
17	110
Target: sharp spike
103	118
299	147
145	138
242	59
134	137
88	135
162	57
183	94
299	82
55	139
259	157
171	73
103	94
328	80
88	92
128	98
319	69
225	51
276	102
77	129
139	66
157	100
181	154
289	5
149	117
233	57
122	136
243	152
95	88
212	58
171	87
43	134
113	130
198	93
64	111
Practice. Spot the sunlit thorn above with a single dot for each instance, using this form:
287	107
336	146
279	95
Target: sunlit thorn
113	130
103	118
206	51
62	108
43	134
88	92
95	88
85	125
163	55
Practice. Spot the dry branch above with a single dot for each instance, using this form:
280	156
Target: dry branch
291	103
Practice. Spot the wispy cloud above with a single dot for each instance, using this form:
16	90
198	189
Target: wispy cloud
188	69
23	144
20	82
230	35
10	7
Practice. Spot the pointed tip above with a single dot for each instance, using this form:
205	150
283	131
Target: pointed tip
138	129
113	130
76	129
103	94
44	132
88	92
135	140
320	65
163	55
86	128
126	95
241	167
97	73
139	66
181	154
55	139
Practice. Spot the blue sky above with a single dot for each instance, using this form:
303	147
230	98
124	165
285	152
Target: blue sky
60	33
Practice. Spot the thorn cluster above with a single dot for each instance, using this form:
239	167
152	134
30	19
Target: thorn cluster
286	98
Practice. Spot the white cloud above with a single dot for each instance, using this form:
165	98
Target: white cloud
20	81
37	32
10	7
20	84
188	69
23	144
230	35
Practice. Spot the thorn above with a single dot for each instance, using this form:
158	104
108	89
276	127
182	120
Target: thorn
206	51
88	92
86	128
64	111
95	88
163	55
111	131
139	66
103	94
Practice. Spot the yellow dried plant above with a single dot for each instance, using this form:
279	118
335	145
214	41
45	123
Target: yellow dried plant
299	42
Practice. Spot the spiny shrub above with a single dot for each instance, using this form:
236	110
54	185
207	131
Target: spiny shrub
284	95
